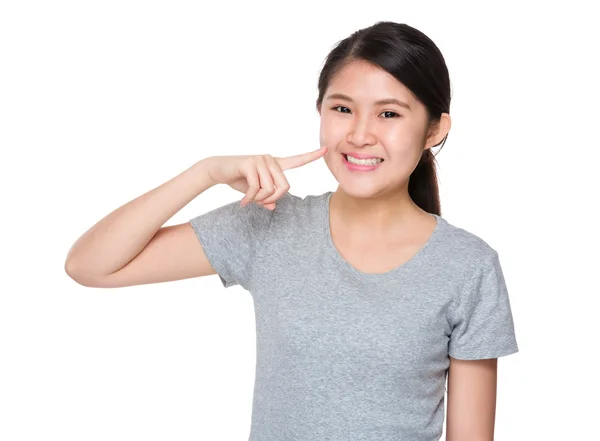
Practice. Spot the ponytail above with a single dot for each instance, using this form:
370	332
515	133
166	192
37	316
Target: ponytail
423	184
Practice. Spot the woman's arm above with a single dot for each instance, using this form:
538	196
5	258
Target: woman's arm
128	246
471	409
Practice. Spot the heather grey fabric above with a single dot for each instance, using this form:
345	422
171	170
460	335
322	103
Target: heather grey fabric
349	356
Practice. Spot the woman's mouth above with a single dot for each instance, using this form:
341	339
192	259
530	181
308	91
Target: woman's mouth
354	164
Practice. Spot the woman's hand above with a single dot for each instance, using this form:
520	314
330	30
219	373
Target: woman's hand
260	177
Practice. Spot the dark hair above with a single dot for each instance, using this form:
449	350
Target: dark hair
414	60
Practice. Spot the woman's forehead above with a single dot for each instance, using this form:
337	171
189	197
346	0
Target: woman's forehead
362	81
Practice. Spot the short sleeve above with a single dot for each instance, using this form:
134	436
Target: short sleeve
482	323
231	236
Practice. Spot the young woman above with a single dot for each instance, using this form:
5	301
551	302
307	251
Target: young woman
366	299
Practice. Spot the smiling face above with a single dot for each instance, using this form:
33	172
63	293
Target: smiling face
366	111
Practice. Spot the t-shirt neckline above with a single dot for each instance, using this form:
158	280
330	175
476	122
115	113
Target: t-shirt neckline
415	260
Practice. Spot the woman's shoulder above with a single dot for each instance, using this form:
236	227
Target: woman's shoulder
462	246
306	199
293	204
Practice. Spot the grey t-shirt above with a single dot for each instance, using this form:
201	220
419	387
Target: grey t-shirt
350	356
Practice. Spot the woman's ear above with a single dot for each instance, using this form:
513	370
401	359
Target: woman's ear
439	131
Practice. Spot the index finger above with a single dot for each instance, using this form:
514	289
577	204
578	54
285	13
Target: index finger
300	160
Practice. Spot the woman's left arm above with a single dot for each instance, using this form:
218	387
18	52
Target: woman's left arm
471	408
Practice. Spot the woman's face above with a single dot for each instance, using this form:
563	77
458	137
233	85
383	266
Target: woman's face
367	111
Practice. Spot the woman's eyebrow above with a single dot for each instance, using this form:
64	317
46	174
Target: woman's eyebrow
341	96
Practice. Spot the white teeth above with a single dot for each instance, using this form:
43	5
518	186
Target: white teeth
372	161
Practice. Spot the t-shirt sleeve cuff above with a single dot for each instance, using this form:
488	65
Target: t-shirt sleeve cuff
208	247
485	352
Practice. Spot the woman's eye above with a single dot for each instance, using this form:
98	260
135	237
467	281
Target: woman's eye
390	114
344	109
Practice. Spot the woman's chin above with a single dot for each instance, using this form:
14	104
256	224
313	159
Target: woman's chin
359	189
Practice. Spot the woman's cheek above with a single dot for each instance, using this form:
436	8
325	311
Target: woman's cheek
332	134
322	139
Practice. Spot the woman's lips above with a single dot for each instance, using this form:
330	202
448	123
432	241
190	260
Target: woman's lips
356	167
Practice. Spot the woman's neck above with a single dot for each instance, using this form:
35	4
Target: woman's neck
382	214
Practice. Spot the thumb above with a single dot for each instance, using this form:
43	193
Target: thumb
300	160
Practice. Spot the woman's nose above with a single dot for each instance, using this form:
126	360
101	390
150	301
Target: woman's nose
361	133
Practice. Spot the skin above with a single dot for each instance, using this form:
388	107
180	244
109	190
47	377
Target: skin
471	404
371	210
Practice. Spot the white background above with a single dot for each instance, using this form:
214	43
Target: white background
103	101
